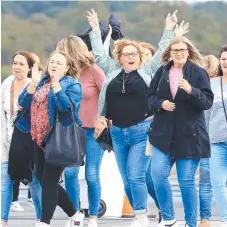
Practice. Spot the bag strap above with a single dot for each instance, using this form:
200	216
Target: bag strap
12	99
71	110
222	98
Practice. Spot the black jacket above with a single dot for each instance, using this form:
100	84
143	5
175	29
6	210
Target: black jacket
182	132
104	28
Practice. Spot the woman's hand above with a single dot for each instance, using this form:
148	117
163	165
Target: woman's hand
182	29
168	106
183	84
99	126
171	20
36	74
93	20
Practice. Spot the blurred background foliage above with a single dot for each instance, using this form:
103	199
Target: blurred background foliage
37	26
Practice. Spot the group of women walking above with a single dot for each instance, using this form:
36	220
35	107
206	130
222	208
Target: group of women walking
163	107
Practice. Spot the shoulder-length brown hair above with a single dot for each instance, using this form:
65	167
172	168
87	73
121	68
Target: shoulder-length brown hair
77	50
194	55
72	71
119	45
30	60
223	49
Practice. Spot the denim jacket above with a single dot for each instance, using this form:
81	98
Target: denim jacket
71	93
112	68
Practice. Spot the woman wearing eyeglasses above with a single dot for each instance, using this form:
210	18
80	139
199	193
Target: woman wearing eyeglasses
217	127
178	95
123	99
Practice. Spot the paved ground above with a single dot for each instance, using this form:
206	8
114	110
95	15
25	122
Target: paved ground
26	218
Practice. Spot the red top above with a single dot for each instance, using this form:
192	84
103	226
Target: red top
39	113
91	80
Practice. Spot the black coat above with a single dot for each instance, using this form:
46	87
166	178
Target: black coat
104	28
182	132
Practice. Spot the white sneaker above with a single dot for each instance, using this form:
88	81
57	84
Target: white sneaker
76	220
15	206
92	223
223	224
140	222
41	224
4	225
30	201
171	223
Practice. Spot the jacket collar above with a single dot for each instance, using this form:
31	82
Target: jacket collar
186	68
169	64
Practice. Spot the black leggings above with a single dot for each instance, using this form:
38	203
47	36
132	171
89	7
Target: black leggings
53	194
16	188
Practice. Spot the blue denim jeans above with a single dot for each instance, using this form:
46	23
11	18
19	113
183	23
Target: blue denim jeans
205	189
150	186
129	148
94	156
218	173
7	190
161	165
72	185
150	183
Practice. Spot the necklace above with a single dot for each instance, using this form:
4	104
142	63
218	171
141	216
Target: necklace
123	82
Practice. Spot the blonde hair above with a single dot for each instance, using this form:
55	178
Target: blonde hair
119	45
148	46
77	50
194	56
211	62
35	57
72	71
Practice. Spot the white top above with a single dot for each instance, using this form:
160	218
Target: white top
7	121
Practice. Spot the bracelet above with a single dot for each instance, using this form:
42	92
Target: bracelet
33	84
56	88
55	85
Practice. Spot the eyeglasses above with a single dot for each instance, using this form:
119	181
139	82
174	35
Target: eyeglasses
176	51
127	55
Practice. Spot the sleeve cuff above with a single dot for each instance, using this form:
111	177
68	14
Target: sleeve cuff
168	33
94	34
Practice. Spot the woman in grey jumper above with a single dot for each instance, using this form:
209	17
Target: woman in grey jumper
217	126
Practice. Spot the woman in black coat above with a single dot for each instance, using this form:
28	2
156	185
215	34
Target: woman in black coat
178	95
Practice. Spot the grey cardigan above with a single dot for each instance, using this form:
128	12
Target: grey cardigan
215	117
112	68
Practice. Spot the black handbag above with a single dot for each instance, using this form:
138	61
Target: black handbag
66	146
105	140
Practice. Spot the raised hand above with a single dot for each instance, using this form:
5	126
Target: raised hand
93	20
36	74
182	29
171	20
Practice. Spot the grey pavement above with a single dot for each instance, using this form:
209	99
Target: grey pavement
27	218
